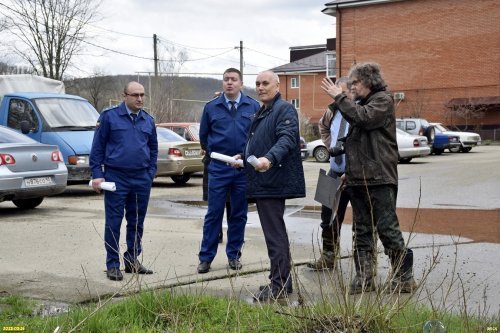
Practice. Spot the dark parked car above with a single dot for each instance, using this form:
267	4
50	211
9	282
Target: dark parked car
29	170
444	141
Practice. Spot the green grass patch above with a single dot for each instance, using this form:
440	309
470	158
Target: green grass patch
166	311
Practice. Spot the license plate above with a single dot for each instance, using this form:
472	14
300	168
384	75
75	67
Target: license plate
193	152
39	181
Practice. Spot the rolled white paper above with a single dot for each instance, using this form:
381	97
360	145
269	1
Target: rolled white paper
107	186
254	161
225	158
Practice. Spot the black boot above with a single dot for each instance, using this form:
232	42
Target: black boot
363	281
330	246
327	258
402	272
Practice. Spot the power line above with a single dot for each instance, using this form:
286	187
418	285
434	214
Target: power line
265	54
194	47
114	51
120	33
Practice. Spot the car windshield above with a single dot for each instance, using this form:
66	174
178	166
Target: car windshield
401	132
166	135
438	129
195	129
66	112
441	128
11	136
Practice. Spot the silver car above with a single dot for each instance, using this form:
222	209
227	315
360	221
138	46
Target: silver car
177	157
29	170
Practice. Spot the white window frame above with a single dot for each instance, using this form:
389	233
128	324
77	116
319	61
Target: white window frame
331	64
294	82
295	102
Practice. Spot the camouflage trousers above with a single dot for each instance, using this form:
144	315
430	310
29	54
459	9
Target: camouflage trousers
374	212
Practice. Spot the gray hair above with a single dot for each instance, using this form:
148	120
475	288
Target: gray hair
273	74
343	79
369	74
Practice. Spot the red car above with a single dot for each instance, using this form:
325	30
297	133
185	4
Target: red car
189	131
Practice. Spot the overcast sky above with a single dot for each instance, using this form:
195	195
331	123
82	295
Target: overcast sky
208	30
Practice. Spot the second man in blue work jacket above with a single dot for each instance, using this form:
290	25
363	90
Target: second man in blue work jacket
224	129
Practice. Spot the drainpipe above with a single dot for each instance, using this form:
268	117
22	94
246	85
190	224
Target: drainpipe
339	39
286	87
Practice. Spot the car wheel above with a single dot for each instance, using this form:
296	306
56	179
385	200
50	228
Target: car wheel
466	149
430	133
181	179
437	151
321	154
28	203
405	160
455	149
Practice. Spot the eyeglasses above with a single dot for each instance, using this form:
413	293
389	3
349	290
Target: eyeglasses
135	95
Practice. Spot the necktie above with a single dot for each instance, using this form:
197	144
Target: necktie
134	117
341	133
233	108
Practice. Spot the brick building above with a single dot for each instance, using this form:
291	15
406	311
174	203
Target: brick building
441	58
300	80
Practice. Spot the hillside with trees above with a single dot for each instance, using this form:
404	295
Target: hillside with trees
170	98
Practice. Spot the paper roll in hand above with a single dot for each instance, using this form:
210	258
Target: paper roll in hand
225	158
107	186
254	161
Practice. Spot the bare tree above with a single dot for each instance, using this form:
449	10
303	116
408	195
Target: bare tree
6	68
416	104
306	128
97	87
166	89
51	31
3	23
467	110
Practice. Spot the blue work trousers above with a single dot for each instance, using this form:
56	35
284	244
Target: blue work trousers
131	197
221	180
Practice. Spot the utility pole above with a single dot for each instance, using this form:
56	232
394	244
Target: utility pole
241	56
155	54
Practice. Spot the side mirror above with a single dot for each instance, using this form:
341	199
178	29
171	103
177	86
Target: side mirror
25	127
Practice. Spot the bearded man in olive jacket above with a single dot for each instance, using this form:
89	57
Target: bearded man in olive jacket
371	176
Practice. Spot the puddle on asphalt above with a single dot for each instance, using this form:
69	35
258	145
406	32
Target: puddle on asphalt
49	308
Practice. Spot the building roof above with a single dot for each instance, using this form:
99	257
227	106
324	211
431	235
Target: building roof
311	64
331	7
308	47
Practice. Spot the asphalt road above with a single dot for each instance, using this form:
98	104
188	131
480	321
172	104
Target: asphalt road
55	252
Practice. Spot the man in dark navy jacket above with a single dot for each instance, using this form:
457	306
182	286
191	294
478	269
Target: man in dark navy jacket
274	140
124	151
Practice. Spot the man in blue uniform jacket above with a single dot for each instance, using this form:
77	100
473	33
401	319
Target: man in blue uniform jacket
124	151
223	129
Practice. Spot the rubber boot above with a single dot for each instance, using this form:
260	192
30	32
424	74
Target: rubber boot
363	281
402	268
330	242
327	258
